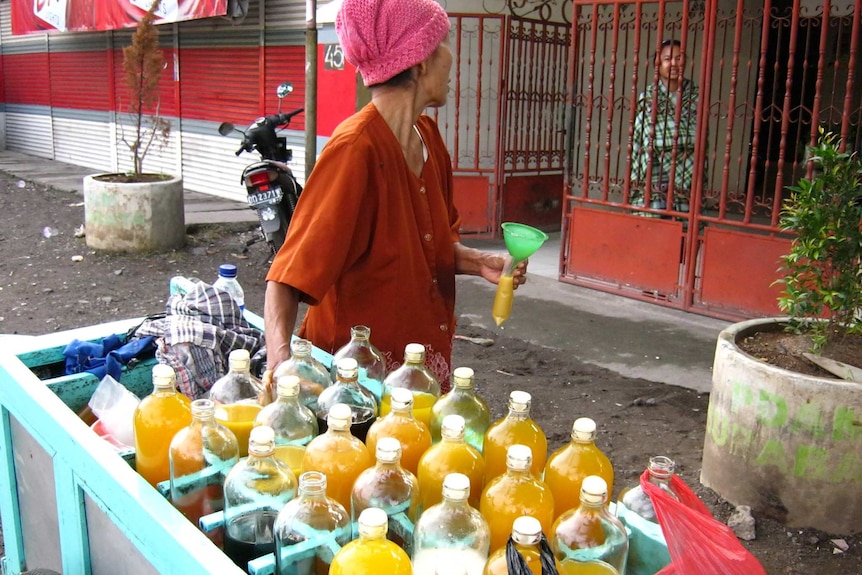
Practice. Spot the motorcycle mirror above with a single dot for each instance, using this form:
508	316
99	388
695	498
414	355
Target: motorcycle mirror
284	89
225	128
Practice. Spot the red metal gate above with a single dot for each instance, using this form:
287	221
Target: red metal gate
769	75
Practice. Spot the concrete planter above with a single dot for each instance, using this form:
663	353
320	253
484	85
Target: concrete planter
787	444
134	217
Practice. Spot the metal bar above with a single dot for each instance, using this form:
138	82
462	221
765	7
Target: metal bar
636	63
856	32
476	131
821	59
758	115
456	148
785	112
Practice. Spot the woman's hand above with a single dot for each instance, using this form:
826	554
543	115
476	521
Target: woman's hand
493	264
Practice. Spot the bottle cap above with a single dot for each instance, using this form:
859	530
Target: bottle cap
203	408
301	347
287	386
373	522
414	353
261	441
163	375
348	368
594	489
661	467
227	271
520	400
402	398
339	417
388	450
456	486
462	377
519	457
584	429
526	530
239	360
453	426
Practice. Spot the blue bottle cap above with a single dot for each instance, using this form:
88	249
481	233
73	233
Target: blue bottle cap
227	271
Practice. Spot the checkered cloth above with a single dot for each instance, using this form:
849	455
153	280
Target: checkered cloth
198	332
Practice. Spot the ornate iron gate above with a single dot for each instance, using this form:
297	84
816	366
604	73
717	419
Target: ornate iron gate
769	75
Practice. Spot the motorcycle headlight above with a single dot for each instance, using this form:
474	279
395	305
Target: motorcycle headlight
268	214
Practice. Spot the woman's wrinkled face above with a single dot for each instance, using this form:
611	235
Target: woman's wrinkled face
439	67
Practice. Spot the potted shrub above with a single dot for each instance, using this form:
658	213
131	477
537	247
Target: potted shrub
138	211
787	443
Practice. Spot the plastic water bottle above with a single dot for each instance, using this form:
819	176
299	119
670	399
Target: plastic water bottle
227	282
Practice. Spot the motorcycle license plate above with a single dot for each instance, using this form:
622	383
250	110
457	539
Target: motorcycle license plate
271	196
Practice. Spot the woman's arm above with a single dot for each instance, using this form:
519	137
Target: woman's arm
280	308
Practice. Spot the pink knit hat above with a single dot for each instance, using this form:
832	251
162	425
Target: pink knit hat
382	38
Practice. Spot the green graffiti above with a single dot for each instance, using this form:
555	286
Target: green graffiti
849	469
811	462
741	396
771	409
773	454
845	424
717	427
740	437
809	420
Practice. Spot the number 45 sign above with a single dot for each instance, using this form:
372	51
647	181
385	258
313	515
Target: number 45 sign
333	57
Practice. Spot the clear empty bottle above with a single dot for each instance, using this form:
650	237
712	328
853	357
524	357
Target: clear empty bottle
635	500
464	401
347	390
293	423
452	455
313	375
589	533
236	398
413	375
201	455
338	454
226	281
372	553
515	493
390	487
371	363
514	428
255	490
527	539
451	532
305	527
569	465
399	423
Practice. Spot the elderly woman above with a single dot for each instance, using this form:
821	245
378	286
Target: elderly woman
375	238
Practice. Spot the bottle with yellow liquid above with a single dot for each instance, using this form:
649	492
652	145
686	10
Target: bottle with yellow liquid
236	398
338	454
371	363
347	390
452	455
372	553
527	540
413	375
201	455
515	493
515	427
464	401
313	375
590	533
569	465
157	419
505	293
399	423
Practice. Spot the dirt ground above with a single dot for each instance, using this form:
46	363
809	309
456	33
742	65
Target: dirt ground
55	283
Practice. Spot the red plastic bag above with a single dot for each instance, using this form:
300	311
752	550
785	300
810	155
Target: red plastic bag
697	543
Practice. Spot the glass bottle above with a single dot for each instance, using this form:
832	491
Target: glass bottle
569	465
372	553
451	532
390	487
347	390
255	490
201	455
515	428
311	517
413	375
589	532
527	538
235	395
313	375
158	417
293	423
517	492
452	455
660	470
464	401
399	423
338	454
372	364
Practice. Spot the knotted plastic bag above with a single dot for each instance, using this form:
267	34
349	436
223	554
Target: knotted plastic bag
697	543
518	566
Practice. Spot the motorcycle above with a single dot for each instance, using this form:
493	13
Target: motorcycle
271	187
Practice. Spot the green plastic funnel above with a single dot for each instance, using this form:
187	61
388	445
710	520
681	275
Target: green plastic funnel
522	240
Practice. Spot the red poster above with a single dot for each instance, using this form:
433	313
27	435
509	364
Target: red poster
30	16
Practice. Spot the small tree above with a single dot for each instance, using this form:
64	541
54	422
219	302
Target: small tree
143	65
823	278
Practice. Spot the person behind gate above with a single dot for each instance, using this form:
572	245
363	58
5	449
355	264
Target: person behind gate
375	237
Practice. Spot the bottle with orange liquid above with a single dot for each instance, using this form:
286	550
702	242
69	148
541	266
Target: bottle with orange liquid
201	455
462	400
569	465
158	418
236	398
527	541
452	455
338	455
589	533
313	375
399	423
372	553
413	375
517	492
515	428
347	390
